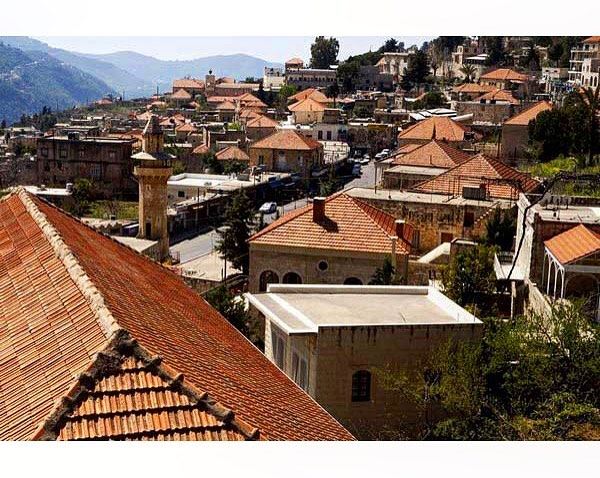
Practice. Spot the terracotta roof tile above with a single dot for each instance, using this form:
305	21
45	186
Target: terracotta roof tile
524	117
436	127
435	154
181	95
574	244
226	106
595	39
290	140
261	121
472	88
188	83
54	334
201	149
350	225
498	95
232	153
307	104
504	74
501	181
311	93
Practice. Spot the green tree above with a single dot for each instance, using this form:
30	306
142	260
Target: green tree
589	99
385	275
347	73
239	221
179	167
469	72
284	93
324	52
495	50
500	229
417	71
230	307
552	131
390	45
79	202
432	99
469	279
555	52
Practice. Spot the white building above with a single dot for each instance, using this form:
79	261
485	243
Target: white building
273	78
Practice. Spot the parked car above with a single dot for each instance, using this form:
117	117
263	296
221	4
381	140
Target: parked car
268	208
364	161
356	170
378	156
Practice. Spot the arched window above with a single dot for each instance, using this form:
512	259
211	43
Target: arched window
361	386
267	277
353	281
292	278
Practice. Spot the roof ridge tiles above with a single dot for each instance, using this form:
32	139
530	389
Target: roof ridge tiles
88	289
109	362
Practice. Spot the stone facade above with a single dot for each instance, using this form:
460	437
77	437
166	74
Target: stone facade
286	160
341	265
515	139
310	78
104	161
336	353
495	113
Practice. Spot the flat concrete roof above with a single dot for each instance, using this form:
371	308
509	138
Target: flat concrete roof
301	309
409	196
575	213
140	245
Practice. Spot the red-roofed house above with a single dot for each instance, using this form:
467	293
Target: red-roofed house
440	128
338	240
515	131
287	151
307	111
260	127
99	342
507	79
481	177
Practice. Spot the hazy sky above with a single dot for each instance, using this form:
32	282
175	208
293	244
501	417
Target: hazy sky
275	49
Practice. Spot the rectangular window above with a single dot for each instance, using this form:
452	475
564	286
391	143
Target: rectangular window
96	171
278	346
300	371
328	135
45	152
81	153
62	153
320	135
469	219
261	159
181	194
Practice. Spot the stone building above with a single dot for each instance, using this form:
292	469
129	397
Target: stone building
307	111
515	131
394	64
310	78
338	240
332	341
287	151
440	128
434	218
260	127
104	161
508	79
491	108
153	170
414	163
105	344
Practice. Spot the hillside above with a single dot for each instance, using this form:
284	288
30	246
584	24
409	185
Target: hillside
117	78
34	79
163	72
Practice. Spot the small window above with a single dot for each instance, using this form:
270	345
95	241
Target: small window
62	153
299	371
81	153
291	278
45	152
469	219
180	194
353	281
278	347
361	386
112	154
320	135
322	266
328	135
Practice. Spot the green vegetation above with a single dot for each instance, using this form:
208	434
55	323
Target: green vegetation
536	378
230	307
500	229
103	209
239	222
470	280
385	275
432	99
324	52
551	168
417	71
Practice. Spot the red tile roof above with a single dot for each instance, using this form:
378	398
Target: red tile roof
181	95
226	106
524	117
68	293
595	39
436	127
351	225
295	61
501	181
504	74
472	88
186	128
261	121
201	149
232	153
286	139
250	101
498	95
311	93
574	244
435	154
307	104
188	83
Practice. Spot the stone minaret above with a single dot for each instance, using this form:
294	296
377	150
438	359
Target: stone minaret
153	169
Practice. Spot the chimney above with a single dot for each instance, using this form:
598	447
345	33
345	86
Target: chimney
400	225
318	209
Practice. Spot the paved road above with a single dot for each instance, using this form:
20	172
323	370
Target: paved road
366	179
196	246
269	218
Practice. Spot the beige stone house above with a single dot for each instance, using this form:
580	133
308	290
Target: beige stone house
287	151
332	341
515	131
338	240
260	127
437	127
307	111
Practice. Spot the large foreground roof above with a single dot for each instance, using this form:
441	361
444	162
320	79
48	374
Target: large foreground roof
98	342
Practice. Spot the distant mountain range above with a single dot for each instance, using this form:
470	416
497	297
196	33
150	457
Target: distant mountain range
138	75
30	80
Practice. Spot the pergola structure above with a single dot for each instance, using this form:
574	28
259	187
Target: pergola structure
571	267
